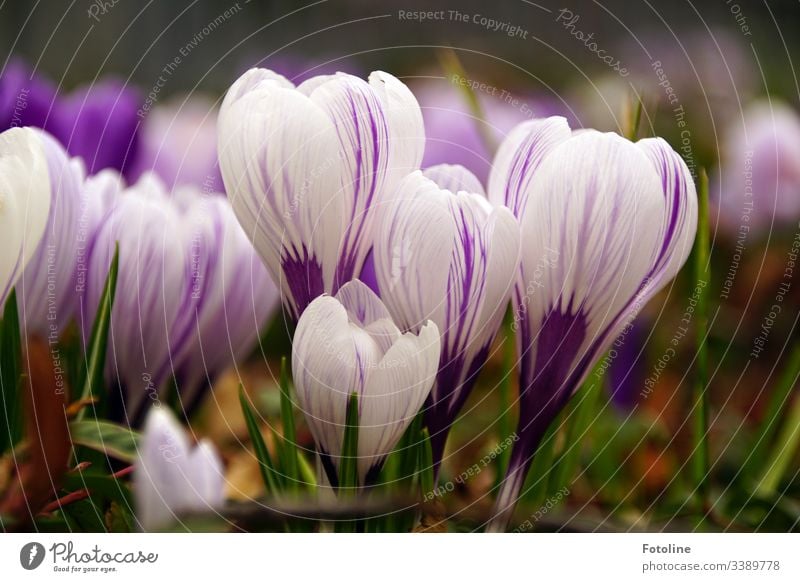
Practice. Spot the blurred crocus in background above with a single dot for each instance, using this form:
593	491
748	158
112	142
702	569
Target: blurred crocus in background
171	476
26	99
24	202
178	141
621	219
306	167
758	188
349	343
451	257
47	289
99	123
194	296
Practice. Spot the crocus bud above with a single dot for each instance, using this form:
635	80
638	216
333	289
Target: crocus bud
24	202
349	343
605	224
306	167
171	477
450	257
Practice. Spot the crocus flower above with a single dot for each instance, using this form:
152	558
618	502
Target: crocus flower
349	343
26	99
99	123
451	257
621	218
231	297
24	202
48	292
760	186
306	167
178	141
190	296
171	477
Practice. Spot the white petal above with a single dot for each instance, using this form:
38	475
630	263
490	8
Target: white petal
24	202
394	394
280	161
519	158
361	303
454	178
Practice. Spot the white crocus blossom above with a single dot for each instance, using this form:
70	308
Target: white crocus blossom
48	290
306	167
606	223
24	202
450	257
171	477
349	343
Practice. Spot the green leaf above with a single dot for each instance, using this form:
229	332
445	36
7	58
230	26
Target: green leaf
780	398
10	364
504	422
426	480
783	452
700	455
288	447
268	472
634	119
348	465
112	439
98	342
578	423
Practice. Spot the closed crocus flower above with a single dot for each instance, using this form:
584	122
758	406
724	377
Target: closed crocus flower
24	202
47	290
450	257
150	318
306	167
26	99
178	141
349	343
99	123
605	224
760	185
171	477
231	296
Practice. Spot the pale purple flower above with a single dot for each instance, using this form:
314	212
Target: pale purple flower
349	343
605	224
24	202
47	289
760	171
99	123
190	297
306	167
178	141
171	477
451	257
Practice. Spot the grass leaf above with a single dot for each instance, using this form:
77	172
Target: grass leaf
106	437
10	363
265	465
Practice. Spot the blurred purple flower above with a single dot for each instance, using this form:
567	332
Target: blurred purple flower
178	141
628	369
26	99
171	477
606	223
450	257
192	297
759	184
349	343
306	168
99	123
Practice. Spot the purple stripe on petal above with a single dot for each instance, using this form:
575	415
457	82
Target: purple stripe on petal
304	278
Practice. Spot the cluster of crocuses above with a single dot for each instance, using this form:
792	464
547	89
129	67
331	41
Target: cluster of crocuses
398	278
575	229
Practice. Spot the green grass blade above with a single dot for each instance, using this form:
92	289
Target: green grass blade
504	423
634	118
113	440
10	364
425	462
348	464
700	455
779	400
288	445
98	342
265	465
783	452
